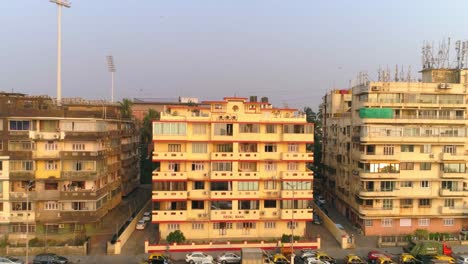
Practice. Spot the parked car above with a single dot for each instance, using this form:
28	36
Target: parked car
141	225
280	259
353	259
406	258
317	220
10	260
47	258
325	257
228	258
198	257
158	258
384	260
462	259
444	258
373	255
147	216
307	253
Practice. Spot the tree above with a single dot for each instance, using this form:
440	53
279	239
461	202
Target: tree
126	108
315	118
175	237
147	166
147	126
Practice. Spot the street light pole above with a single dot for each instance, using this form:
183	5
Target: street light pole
293	187
29	185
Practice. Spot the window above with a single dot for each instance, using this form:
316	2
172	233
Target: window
173	166
1	206
368	222
449	185
270	148
198	185
20	206
425	166
425	184
223	129
198	226
450	203
19	125
77	165
292	225
387	204
269	204
21	165
448	221
174	148
406	184
1	124
297	185
389	150
1	165
407	166
199	129
199	148
270	166
78	146
247	147
270	185
249	128
247	166
222	166
51	205
424	222
51	165
246	225
198	166
1	144
387	222
222	225
223	147
293	147
173	226
21	228
271	128
50	146
406	203
175	129
247	186
387	186
407	148
450	149
270	225
53	185
453	167
198	205
424	203
293	166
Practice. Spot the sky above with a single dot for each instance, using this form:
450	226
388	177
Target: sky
292	52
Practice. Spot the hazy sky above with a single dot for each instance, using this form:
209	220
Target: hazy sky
290	51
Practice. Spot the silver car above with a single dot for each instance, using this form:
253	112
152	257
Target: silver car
228	258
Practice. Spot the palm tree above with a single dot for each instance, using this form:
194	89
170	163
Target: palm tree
126	108
147	127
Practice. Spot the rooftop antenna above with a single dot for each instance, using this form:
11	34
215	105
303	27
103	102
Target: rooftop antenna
66	4
111	68
408	76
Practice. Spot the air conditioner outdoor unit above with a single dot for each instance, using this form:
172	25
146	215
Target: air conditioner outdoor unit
61	226
375	88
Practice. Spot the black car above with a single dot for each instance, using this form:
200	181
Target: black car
50	258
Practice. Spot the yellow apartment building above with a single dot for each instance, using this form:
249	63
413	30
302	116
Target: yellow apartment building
232	169
395	153
62	168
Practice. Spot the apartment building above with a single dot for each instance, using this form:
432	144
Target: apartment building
62	168
395	153
233	169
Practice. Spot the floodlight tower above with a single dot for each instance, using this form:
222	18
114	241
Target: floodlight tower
66	4
111	67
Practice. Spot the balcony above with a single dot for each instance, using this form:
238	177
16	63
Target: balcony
163	156
291	137
22	216
452	157
170	195
269	213
85	135
198	194
299	214
223	156
73	155
46	155
3	175
222	195
270	156
448	192
298	194
169	216
48	216
459	210
249	136
22	196
46	195
197	214
79	195
447	175
378	193
234	215
375	175
269	195
235	176
83	216
288	156
197	176
40	135
80	175
288	175
169	176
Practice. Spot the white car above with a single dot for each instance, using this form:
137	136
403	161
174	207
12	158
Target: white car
141	225
198	257
10	260
147	216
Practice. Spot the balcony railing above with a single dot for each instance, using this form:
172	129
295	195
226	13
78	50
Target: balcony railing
171	215
288	175
298	194
169	155
234	215
168	176
297	156
22	216
286	214
171	195
80	175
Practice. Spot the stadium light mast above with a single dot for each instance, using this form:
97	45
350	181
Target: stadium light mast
59	4
111	67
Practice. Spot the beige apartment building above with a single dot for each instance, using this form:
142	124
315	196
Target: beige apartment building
62	168
395	153
232	169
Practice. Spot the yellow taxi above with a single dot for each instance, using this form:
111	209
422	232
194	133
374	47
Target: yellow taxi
406	258
384	260
444	258
158	258
280	259
353	259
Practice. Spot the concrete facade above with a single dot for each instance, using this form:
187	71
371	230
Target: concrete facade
395	153
232	170
63	167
